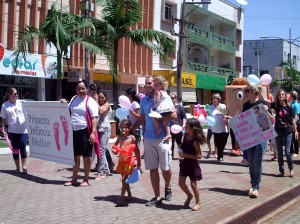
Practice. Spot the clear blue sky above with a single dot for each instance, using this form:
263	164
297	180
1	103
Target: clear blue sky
271	18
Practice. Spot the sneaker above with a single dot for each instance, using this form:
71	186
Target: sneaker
168	194
292	173
250	191
295	155
154	114
153	202
244	162
254	194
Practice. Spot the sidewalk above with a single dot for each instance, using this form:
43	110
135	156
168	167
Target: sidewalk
40	196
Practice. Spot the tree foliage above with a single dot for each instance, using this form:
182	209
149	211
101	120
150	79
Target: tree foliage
121	18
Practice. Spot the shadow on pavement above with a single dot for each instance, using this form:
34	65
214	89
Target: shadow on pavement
229	191
218	163
32	178
114	198
225	171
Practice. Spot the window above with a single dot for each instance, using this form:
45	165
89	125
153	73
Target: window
168	11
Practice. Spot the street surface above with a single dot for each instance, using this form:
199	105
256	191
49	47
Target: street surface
40	197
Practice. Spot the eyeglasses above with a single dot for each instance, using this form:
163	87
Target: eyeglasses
173	97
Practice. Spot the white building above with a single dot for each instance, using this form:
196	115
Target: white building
212	48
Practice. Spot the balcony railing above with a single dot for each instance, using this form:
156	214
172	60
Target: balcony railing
208	38
193	66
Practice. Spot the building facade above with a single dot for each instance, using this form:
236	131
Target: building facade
265	56
212	48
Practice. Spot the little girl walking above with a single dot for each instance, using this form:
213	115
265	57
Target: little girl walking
190	151
127	145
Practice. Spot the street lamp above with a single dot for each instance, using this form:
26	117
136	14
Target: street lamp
290	42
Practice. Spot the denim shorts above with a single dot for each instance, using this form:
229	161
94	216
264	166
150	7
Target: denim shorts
81	144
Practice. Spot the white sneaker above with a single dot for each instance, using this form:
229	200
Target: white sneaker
250	191
254	194
154	114
295	155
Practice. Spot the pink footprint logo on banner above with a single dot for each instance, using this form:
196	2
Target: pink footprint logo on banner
56	134
64	123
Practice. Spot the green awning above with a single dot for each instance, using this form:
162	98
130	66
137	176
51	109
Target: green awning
204	81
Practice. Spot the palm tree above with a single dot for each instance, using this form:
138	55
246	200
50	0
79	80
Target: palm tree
121	15
62	29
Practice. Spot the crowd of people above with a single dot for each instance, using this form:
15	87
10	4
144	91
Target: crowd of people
153	111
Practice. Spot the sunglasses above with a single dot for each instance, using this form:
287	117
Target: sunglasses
173	97
14	94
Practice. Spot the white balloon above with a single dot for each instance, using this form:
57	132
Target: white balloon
175	129
201	119
124	102
265	79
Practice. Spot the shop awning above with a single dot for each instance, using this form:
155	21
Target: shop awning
189	97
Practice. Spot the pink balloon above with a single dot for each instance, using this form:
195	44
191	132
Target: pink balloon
265	79
201	119
124	102
175	129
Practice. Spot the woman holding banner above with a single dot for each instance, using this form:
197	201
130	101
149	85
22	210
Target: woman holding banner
13	116
285	124
256	153
84	114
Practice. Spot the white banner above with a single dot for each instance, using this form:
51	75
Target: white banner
49	131
35	65
252	127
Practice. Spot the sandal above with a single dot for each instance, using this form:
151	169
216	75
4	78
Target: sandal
84	184
71	183
196	207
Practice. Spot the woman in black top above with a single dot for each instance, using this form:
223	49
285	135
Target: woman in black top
285	124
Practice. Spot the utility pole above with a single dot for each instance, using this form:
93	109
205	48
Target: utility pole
181	37
179	54
87	7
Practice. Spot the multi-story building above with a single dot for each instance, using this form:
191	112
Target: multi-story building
32	82
134	62
266	55
212	48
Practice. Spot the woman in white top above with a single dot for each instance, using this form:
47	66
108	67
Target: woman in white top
104	131
83	139
13	116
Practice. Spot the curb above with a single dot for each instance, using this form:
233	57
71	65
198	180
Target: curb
241	213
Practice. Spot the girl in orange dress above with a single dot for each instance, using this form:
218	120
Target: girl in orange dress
125	146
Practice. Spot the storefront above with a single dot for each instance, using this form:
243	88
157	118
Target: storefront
207	85
27	74
104	81
188	84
